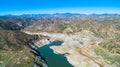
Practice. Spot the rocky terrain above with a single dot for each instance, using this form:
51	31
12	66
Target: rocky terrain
88	40
15	50
83	49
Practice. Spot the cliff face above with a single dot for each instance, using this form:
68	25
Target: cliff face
35	45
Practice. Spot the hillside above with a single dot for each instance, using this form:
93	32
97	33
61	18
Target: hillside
14	22
81	35
94	38
14	50
13	40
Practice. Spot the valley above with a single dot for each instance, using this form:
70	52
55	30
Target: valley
87	40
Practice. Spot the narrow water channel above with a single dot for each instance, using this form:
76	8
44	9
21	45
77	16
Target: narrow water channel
52	59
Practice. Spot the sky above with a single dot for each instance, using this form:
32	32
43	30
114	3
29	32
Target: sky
18	7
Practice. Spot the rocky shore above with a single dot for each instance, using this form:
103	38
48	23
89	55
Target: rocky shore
79	45
35	45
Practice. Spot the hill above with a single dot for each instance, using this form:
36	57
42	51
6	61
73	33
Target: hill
76	27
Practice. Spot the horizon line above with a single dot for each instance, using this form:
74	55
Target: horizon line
65	10
56	13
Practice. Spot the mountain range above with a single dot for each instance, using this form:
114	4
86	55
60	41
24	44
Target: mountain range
14	40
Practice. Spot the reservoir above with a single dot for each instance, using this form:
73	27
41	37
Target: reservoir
52	59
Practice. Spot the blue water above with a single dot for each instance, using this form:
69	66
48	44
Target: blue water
52	59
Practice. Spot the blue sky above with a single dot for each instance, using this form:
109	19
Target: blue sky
59	6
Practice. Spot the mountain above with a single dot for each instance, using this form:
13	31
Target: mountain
13	40
61	21
14	50
14	22
72	28
94	39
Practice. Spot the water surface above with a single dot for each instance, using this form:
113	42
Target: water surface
52	59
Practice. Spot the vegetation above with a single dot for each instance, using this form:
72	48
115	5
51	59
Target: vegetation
107	56
13	42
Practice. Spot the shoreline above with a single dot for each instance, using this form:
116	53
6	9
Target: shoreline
34	46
